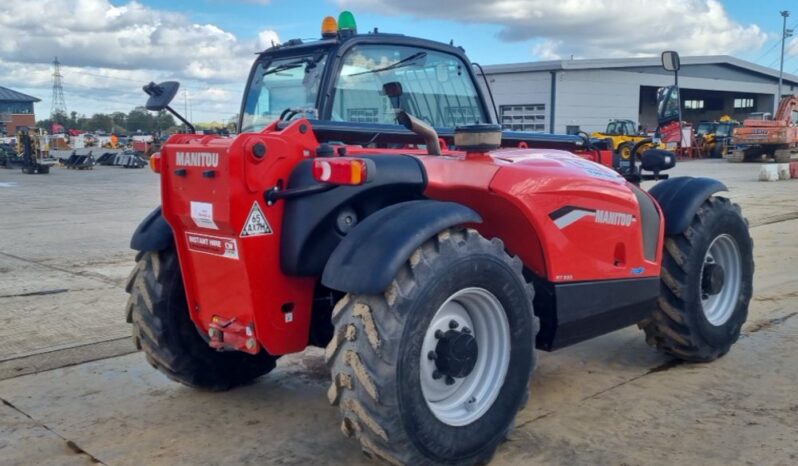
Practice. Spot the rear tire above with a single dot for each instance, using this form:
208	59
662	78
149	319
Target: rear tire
736	156
700	314
163	328
394	397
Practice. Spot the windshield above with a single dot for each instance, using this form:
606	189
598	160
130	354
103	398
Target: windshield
668	104
280	84
704	128
724	129
436	87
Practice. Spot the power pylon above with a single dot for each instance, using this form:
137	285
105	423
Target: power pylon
58	104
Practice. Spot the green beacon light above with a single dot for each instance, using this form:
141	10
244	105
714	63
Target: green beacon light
346	22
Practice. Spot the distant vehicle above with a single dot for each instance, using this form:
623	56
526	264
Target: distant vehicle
762	136
624	135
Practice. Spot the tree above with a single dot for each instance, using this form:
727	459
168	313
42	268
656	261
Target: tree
119	119
100	121
139	119
164	120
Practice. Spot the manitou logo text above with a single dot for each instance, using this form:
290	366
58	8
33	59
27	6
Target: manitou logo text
197	159
614	218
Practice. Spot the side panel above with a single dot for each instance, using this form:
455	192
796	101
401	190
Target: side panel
567	218
573	312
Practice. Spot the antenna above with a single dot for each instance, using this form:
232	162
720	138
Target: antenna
58	104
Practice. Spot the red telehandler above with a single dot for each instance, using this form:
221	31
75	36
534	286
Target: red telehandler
371	206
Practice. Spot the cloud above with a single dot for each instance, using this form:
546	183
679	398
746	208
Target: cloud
109	50
132	36
592	28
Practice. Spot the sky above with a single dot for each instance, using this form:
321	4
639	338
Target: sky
108	49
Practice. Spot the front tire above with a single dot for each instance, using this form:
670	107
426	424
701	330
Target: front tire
434	370
625	150
163	328
706	285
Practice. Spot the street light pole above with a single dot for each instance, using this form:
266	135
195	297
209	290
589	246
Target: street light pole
784	35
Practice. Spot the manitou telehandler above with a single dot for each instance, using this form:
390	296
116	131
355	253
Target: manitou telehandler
371	206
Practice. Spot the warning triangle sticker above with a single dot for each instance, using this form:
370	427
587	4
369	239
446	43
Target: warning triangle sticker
256	223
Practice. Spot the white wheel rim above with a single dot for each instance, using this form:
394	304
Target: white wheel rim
469	397
723	252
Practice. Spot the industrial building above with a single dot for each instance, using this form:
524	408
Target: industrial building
584	95
16	109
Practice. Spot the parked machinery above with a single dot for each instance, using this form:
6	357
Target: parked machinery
713	138
767	137
624	135
29	149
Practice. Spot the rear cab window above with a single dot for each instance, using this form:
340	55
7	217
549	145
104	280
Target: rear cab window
437	87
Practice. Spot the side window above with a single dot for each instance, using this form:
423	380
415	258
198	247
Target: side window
437	87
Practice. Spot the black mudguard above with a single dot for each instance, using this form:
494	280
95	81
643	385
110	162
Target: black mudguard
153	233
369	257
680	197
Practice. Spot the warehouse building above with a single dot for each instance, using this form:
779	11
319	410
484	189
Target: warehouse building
565	96
16	109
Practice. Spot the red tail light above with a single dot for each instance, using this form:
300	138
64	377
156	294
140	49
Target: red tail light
155	162
342	170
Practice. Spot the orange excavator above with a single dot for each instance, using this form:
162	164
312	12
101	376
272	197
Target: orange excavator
764	137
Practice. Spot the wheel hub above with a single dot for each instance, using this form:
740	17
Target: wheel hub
712	279
456	353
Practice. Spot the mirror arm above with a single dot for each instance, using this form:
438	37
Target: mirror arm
180	117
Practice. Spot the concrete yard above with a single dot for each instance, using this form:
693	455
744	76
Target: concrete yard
74	392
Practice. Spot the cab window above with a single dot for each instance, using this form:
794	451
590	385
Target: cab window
436	87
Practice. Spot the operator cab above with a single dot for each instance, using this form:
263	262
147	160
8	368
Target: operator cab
340	79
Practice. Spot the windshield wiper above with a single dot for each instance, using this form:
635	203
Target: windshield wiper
287	66
309	61
401	63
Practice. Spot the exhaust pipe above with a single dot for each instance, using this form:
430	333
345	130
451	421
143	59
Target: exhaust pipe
422	129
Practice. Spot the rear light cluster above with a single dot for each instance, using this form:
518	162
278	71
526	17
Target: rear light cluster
155	162
342	170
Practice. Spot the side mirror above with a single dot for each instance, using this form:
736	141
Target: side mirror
393	89
394	92
657	160
160	94
670	60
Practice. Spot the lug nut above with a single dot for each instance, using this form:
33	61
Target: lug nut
438	334
432	355
449	380
466	330
436	374
453	324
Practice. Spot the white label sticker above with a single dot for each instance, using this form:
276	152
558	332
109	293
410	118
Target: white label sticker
289	317
202	214
256	223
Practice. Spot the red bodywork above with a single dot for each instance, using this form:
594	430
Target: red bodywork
234	283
